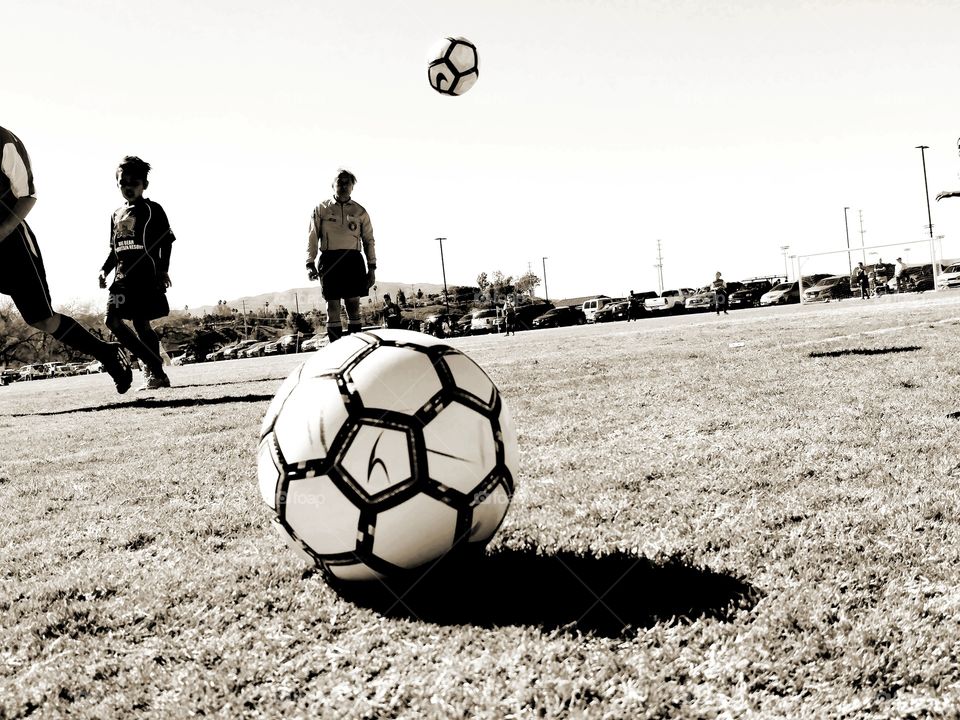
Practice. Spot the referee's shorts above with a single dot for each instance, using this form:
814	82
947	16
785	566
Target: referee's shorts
22	276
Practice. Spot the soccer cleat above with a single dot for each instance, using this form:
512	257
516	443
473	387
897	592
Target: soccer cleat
155	382
119	369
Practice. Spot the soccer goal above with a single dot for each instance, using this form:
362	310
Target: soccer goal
920	259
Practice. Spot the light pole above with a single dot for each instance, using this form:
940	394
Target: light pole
443	269
846	225
786	268
546	293
926	189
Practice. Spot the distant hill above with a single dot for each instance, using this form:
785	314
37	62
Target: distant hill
310	297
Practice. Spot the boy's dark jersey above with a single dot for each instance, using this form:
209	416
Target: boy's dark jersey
16	178
140	242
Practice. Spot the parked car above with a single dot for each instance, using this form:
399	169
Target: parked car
485	321
184	359
234	351
949	278
255	350
92	368
32	372
835	287
463	324
526	314
312	344
8	376
433	324
592	306
291	343
56	369
783	294
918	278
749	295
669	300
612	313
563	316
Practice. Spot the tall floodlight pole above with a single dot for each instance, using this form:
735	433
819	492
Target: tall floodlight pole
659	267
443	269
546	293
863	248
846	225
926	189
786	268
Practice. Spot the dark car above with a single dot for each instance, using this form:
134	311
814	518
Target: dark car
560	317
525	315
463	324
880	276
433	324
919	278
749	295
835	287
613	312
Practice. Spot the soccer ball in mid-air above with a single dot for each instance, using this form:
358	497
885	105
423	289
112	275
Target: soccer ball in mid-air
454	66
385	451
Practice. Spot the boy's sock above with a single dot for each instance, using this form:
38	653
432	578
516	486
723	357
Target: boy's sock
79	338
354	327
334	332
71	333
128	338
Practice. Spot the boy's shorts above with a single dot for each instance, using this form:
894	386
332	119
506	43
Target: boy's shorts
22	275
343	274
135	300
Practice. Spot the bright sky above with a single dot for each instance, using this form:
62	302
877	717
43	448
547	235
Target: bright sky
723	129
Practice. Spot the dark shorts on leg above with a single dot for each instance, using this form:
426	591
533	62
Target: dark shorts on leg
131	300
343	274
23	277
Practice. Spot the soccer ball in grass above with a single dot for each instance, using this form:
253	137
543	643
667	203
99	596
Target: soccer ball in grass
454	66
383	452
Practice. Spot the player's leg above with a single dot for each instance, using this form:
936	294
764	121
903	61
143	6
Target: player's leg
158	378
128	338
334	326
23	278
354	325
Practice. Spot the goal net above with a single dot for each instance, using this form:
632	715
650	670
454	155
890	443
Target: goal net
921	260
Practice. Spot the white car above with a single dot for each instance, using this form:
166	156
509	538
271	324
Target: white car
949	278
314	343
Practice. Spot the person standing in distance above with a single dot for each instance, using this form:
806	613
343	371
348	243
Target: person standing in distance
391	313
340	229
22	275
719	287
140	244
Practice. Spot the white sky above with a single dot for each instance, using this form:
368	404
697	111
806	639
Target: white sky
724	129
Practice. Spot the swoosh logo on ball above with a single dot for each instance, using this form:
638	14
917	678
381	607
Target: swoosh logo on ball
374	461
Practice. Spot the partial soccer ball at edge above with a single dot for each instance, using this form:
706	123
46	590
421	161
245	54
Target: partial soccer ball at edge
454	66
385	451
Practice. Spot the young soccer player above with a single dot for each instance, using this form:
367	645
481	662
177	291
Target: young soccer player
22	275
340	228
140	245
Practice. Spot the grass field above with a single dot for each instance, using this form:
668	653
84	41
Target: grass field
753	516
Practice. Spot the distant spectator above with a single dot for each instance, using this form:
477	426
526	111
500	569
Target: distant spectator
401	298
880	277
391	313
719	287
862	279
899	275
633	311
509	318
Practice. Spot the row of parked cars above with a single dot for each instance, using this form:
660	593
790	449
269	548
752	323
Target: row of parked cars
283	345
43	371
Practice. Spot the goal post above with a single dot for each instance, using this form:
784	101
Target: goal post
915	253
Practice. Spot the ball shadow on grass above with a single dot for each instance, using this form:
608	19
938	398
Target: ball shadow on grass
149	403
610	596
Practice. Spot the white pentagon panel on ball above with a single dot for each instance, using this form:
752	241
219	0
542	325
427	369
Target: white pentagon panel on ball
468	376
461	450
377	459
415	532
463	56
334	356
320	515
286	387
395	378
465	82
268	471
488	515
311	418
407	337
508	435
